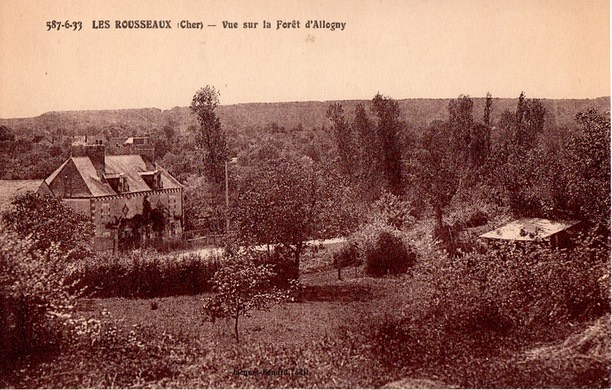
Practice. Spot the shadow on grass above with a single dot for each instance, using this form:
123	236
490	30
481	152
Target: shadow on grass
326	293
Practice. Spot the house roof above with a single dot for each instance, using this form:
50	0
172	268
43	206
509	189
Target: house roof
11	188
89	180
529	229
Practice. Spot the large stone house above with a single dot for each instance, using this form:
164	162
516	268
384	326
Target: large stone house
130	199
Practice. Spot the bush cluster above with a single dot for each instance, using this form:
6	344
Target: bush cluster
282	264
35	302
148	274
145	275
47	221
382	248
389	255
482	304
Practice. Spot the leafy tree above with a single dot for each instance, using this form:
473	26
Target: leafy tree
526	180
47	221
169	132
389	128
202	212
529	122
480	145
240	287
6	135
211	137
526	174
393	211
369	153
470	138
344	139
486	118
461	120
587	168
183	165
280	202
438	170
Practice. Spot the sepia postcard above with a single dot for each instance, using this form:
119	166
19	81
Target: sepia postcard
305	194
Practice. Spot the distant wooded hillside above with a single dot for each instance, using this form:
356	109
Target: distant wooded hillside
416	112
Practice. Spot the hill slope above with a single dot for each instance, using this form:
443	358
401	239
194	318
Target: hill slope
416	113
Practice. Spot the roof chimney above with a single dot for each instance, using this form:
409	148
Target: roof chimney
144	147
95	150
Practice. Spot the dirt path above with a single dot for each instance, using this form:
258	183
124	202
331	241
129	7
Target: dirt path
205	252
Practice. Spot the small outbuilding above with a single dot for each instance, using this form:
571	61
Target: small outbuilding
558	233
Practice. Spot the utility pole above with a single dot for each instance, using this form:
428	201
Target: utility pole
226	200
231	161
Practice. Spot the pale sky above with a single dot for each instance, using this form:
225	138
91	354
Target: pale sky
403	49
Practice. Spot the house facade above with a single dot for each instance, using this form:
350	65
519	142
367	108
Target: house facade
130	199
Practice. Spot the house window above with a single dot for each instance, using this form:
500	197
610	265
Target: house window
105	212
173	204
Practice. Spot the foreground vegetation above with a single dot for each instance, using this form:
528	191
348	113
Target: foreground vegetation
536	318
412	296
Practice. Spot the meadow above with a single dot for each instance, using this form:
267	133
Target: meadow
348	333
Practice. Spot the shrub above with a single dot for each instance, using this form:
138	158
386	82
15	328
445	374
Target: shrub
281	262
392	211
388	255
485	304
240	287
35	302
47	221
513	287
109	354
145	275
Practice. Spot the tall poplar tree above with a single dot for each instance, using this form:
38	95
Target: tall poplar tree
211	136
388	129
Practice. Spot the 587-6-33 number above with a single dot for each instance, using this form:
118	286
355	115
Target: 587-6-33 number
68	25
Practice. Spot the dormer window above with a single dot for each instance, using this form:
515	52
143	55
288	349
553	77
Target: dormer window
152	178
123	183
118	182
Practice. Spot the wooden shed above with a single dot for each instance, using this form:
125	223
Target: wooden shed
558	233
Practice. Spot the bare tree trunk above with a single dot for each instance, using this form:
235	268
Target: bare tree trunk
298	250
236	328
439	220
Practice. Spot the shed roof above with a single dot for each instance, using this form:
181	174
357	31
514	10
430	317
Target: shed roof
529	229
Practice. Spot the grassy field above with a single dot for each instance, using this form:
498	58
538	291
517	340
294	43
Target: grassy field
165	342
326	304
296	341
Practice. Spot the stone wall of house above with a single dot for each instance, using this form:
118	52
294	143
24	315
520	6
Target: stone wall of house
81	206
107	212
